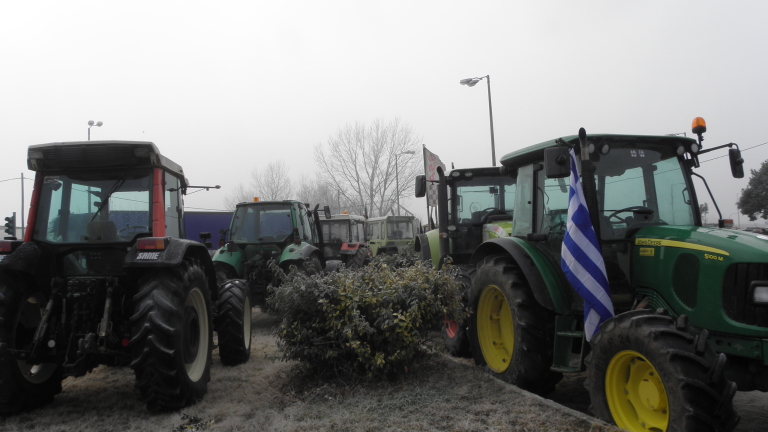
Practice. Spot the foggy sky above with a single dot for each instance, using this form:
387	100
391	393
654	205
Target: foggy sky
223	87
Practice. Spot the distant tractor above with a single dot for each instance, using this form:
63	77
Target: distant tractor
103	276
285	232
685	296
390	234
344	236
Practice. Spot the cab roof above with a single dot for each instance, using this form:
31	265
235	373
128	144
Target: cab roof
89	155
535	152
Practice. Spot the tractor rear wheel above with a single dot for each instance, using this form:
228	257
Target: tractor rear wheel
172	336
510	332
455	335
357	260
23	385
233	322
653	372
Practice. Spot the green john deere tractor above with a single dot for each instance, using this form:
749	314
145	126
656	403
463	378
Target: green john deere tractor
686	297
285	232
104	276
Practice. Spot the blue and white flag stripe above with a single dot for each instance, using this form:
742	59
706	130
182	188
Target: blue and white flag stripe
581	259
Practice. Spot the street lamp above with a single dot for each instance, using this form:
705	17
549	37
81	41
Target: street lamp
470	82
397	174
92	124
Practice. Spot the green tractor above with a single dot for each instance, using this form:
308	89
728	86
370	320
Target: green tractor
103	276
390	234
285	232
344	236
685	296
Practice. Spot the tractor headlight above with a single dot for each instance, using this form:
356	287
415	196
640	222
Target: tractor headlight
759	290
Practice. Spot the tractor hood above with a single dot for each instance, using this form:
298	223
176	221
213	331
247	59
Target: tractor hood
730	245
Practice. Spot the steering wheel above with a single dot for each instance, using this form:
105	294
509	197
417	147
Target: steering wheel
633	209
134	229
280	234
492	211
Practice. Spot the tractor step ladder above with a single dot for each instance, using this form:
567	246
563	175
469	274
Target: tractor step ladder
565	332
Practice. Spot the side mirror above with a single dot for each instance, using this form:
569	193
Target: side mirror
557	163
421	185
737	162
327	212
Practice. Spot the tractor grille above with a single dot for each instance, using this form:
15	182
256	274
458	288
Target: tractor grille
736	302
685	279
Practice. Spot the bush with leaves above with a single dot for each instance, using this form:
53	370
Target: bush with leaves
372	321
405	257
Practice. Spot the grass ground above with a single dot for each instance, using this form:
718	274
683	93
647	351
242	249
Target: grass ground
440	395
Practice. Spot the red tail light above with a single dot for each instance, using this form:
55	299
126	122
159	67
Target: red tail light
152	243
5	247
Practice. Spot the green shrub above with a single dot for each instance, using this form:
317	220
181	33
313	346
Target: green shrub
372	321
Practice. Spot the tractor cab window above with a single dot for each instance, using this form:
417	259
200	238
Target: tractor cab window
399	227
306	229
94	207
480	206
374	231
173	208
261	223
640	185
336	231
358	231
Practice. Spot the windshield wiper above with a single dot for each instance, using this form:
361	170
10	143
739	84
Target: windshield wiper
105	200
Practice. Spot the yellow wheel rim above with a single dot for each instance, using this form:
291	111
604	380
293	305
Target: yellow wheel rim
495	329
635	393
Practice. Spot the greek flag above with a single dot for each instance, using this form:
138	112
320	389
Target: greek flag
582	261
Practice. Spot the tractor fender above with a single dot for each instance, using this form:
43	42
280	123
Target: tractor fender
546	280
349	248
427	245
235	259
295	252
173	255
30	259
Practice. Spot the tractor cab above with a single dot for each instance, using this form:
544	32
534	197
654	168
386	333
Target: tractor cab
389	234
285	232
344	236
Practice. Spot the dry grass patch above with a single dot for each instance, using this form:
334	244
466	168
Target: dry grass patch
439	395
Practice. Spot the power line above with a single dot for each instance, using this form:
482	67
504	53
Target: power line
748	148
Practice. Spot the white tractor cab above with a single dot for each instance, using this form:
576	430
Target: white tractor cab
390	234
345	240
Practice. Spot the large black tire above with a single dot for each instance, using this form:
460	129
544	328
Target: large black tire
311	266
509	331
455	335
23	385
357	260
233	322
224	272
652	372
172	336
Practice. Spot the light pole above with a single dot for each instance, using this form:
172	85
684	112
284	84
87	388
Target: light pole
397	181
92	124
470	82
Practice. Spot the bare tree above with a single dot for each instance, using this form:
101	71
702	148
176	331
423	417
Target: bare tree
271	184
360	162
239	193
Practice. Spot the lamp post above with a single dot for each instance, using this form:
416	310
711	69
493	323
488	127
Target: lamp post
92	124
470	82
397	181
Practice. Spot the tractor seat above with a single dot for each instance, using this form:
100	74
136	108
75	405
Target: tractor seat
99	230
